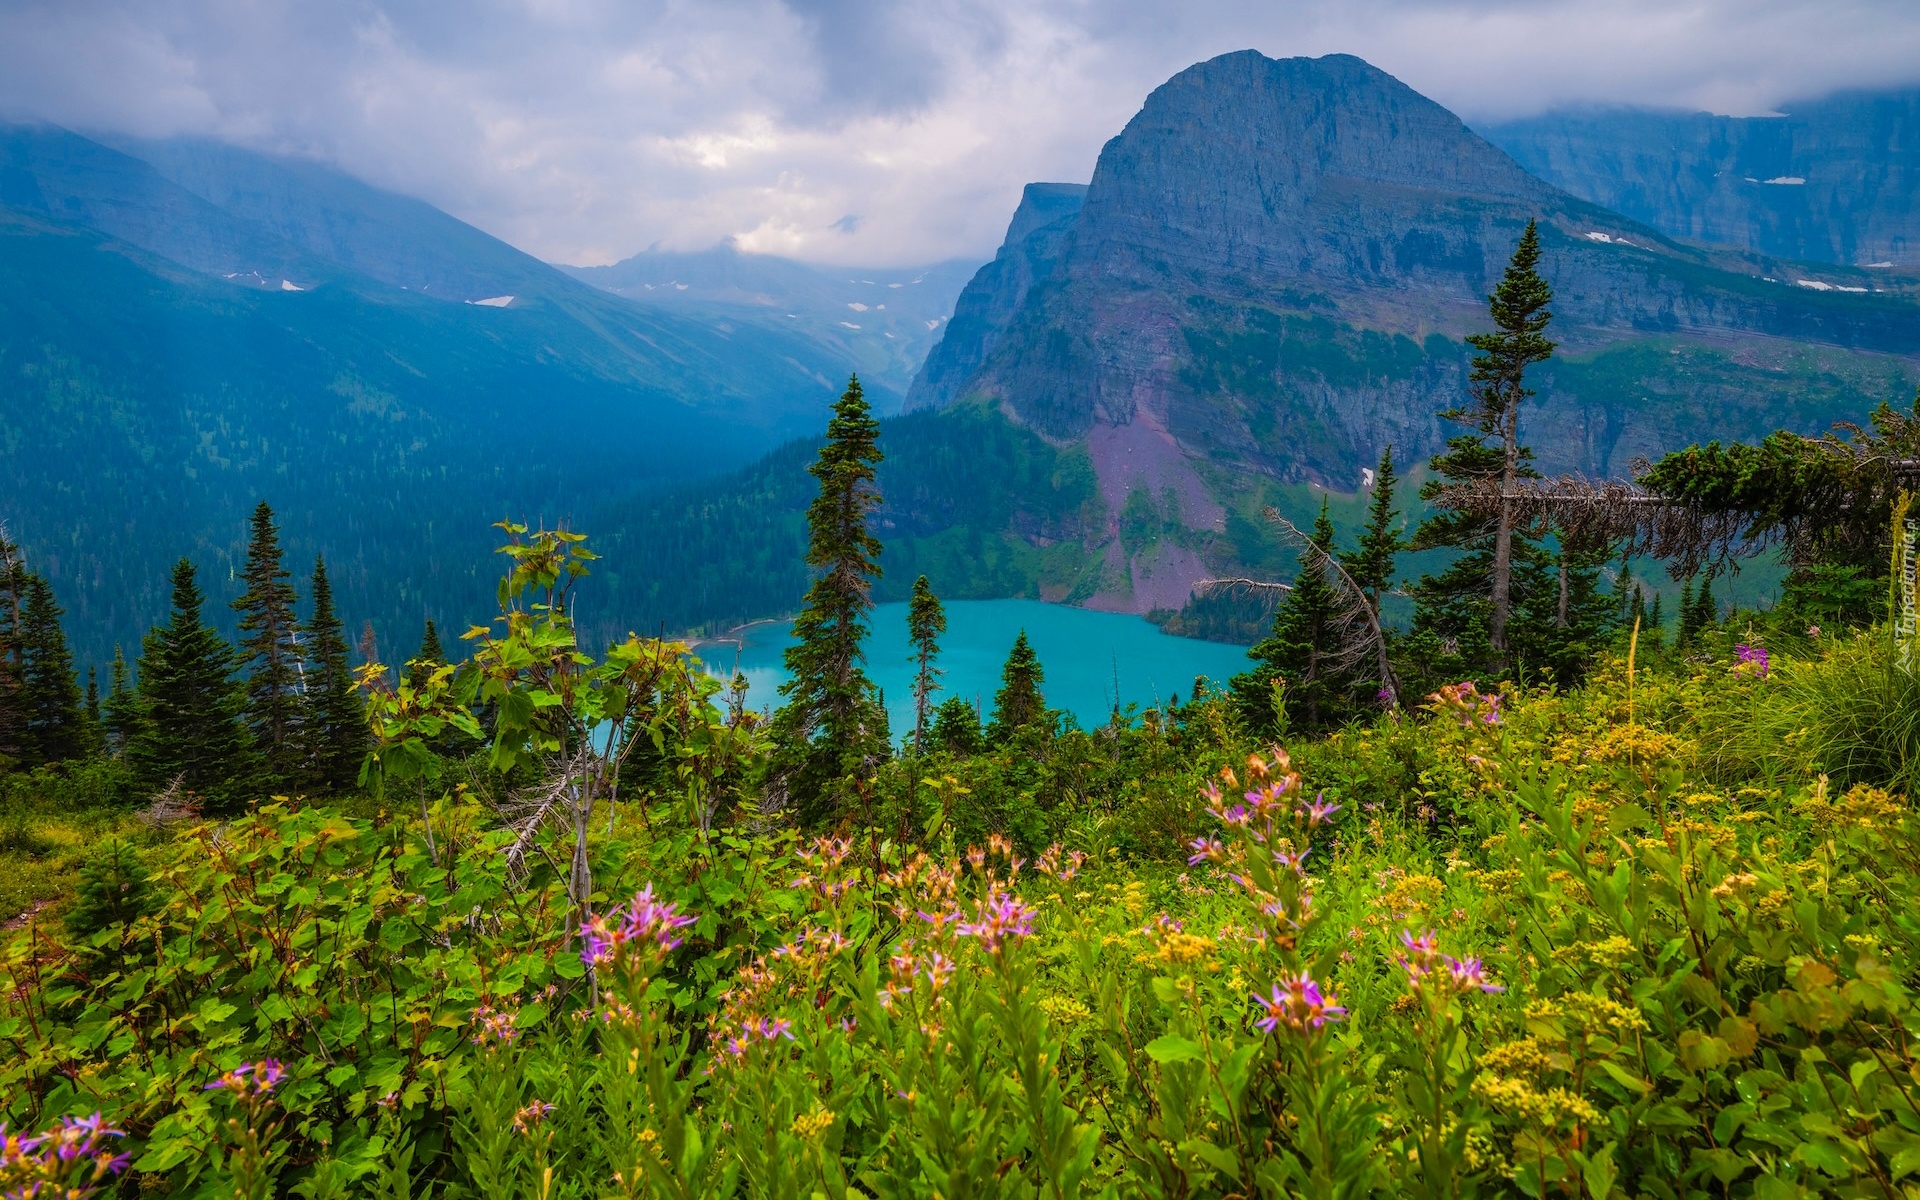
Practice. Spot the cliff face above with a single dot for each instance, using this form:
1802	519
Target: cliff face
1274	268
988	304
1835	180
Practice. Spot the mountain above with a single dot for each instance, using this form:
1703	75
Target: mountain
1833	180
185	334
880	320
1270	278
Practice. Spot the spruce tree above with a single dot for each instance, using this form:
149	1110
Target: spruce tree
96	732
956	727
335	729
832	725
1474	599
122	715
1018	704
1298	654
1706	610
430	656
1372	565
15	741
56	724
926	621
192	729
1689	614
270	655
1657	622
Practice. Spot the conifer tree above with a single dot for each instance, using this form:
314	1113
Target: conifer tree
15	740
96	733
192	729
56	724
430	656
1707	611
1474	599
832	724
1018	704
335	725
121	712
270	655
1657	621
1689	613
926	621
1371	566
1298	653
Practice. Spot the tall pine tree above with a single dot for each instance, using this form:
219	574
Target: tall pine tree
1469	606
334	727
926	621
430	656
1018	704
1298	654
832	724
270	655
122	714
56	724
16	743
192	730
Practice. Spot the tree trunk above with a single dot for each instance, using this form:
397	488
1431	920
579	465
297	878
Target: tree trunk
1503	533
1560	617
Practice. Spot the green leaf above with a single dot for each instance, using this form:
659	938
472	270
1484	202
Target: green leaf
1172	1048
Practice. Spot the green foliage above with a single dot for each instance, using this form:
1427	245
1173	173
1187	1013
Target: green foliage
832	722
57	730
1297	661
334	727
1018	705
926	621
113	889
190	727
270	656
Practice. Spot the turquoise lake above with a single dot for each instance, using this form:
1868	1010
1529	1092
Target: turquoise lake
1083	654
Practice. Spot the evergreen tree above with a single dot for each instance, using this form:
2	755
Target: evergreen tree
1371	566
1565	615
926	621
1707	611
192	729
56	724
1298	654
335	726
1657	622
122	710
1470	604
270	654
431	655
16	744
96	732
1018	704
956	727
1689	614
832	724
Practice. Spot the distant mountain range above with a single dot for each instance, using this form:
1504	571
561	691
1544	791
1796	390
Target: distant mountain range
1270	277
187	328
1833	180
880	320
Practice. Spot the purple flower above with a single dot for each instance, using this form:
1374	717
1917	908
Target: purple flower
1002	918
1754	657
1468	974
75	1158
645	924
1205	850
250	1079
1298	1003
1317	811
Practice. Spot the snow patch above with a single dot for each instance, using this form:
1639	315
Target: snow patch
1880	264
493	302
934	324
895	285
856	306
1788	180
679	287
849	324
288	285
889	335
1821	285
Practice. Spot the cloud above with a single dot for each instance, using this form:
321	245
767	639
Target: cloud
583	130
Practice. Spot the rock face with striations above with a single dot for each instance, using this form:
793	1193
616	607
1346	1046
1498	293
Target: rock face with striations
1271	277
1833	180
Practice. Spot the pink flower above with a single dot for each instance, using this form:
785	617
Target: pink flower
1003	917
1297	1002
250	1079
646	924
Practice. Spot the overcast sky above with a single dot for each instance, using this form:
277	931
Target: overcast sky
850	131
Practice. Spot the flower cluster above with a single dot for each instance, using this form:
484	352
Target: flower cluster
250	1079
492	1027
827	875
1063	867
1753	660
1467	704
646	926
1427	968
1297	1002
531	1117
999	919
74	1160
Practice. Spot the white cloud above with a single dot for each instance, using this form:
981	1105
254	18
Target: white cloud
839	130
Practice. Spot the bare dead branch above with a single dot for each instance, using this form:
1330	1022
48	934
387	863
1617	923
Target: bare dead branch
1356	624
